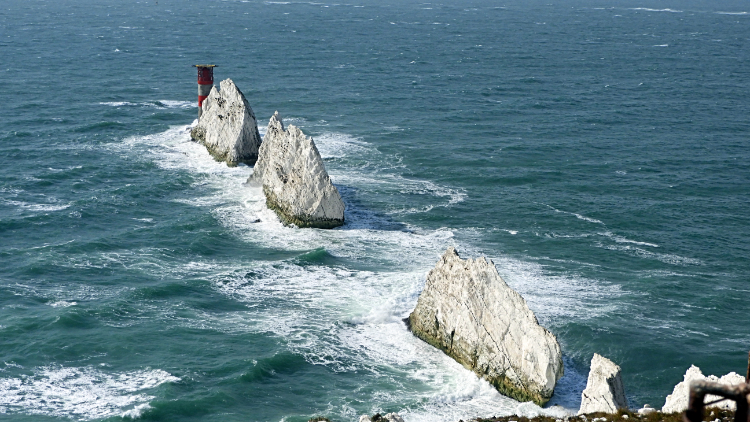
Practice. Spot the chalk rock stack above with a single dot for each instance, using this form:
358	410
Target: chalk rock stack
604	390
294	178
227	126
470	313
678	400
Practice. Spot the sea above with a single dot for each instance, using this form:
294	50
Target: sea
597	151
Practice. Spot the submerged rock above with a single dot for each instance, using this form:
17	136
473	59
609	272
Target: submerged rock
227	126
470	313
295	180
604	390
678	400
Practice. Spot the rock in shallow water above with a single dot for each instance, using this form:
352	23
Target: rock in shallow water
470	313
604	390
227	126
295	180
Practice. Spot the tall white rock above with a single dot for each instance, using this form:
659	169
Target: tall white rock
295	181
678	400
227	126
468	311
604	390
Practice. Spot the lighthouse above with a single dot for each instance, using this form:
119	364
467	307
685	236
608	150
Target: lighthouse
205	82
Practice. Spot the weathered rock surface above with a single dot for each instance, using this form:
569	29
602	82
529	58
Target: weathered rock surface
678	400
604	390
227	126
295	180
391	417
470	313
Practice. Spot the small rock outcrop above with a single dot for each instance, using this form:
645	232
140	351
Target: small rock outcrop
678	400
604	390
470	313
227	126
391	417
295	180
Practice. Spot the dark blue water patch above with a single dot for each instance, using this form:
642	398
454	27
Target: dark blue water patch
281	365
317	256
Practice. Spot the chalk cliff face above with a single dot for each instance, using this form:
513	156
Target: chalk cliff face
227	126
470	313
604	390
678	400
295	180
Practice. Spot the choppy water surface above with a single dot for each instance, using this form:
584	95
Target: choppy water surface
596	151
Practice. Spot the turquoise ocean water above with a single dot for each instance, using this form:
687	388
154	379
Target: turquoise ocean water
597	151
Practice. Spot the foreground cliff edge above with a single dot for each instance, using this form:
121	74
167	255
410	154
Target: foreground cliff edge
294	178
227	126
468	311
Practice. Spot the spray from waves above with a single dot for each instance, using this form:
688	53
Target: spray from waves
351	321
341	316
161	104
81	393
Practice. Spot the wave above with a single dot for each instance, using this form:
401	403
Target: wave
82	393
578	216
161	104
646	9
345	291
672	259
35	207
620	239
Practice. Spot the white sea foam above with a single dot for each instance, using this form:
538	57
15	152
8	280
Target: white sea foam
80	393
646	9
345	318
118	103
36	207
578	216
672	259
731	13
177	104
158	104
331	145
375	341
620	239
62	304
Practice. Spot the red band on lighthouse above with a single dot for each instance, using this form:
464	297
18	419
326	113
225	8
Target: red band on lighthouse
205	83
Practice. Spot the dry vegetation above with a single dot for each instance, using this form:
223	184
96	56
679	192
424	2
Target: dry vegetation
711	415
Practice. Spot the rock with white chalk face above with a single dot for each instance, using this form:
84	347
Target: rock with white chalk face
470	313
678	400
604	390
294	178
227	126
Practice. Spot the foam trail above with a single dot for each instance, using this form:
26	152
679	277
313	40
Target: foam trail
81	393
317	298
